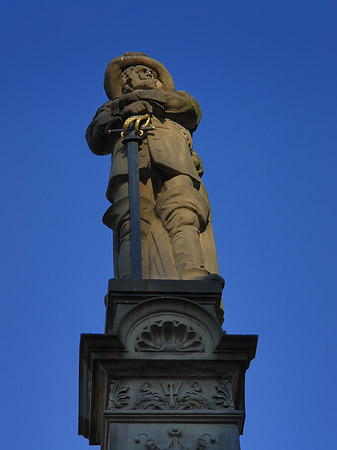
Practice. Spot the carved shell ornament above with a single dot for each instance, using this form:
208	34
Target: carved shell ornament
169	336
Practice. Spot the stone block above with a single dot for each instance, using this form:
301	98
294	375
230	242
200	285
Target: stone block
164	375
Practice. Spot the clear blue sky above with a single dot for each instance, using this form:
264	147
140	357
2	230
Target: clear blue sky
264	73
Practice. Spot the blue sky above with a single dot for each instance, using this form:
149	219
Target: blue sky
265	76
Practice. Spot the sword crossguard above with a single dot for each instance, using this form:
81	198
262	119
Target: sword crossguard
137	121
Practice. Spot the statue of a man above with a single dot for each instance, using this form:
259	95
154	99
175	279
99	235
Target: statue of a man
176	234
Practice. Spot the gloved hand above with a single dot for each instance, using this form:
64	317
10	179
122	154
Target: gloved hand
136	108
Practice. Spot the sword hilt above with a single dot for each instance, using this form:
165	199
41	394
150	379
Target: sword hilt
139	129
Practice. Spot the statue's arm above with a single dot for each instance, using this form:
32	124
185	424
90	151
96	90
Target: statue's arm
176	105
183	108
106	117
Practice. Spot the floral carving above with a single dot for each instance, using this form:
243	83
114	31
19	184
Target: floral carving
171	396
224	396
149	398
169	336
118	397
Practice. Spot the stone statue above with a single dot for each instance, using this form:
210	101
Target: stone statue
176	233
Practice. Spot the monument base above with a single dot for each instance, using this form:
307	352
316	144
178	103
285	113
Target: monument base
164	375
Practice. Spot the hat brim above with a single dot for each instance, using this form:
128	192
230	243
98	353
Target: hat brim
113	73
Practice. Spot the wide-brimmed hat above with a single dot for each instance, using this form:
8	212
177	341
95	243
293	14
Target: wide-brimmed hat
113	73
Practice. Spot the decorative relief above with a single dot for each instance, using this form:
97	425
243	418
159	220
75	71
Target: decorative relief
171	395
118	397
224	396
175	443
169	336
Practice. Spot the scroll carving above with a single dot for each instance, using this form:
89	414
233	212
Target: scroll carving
175	432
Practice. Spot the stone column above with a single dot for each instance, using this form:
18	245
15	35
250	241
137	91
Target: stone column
164	375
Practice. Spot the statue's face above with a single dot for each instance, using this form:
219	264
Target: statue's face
143	77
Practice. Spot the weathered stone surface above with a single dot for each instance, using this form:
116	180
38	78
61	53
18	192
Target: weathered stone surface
177	431
176	232
124	295
164	376
165	394
142	393
164	362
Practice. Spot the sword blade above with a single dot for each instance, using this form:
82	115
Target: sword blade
134	196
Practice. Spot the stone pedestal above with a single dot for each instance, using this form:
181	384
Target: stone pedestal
164	375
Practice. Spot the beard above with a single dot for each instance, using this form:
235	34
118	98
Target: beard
145	84
150	84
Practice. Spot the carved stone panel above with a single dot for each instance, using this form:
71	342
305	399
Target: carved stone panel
169	395
174	432
172	395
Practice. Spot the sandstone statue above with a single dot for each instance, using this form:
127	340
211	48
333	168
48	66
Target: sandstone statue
176	233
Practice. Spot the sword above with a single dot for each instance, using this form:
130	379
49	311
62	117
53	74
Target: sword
133	134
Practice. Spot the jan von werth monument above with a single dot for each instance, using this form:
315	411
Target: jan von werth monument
164	375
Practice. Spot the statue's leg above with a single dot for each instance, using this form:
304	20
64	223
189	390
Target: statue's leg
184	213
117	218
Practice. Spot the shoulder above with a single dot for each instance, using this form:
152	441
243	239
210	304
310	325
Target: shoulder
105	108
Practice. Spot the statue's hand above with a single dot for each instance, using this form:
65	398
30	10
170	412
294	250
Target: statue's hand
136	108
131	97
127	99
198	163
